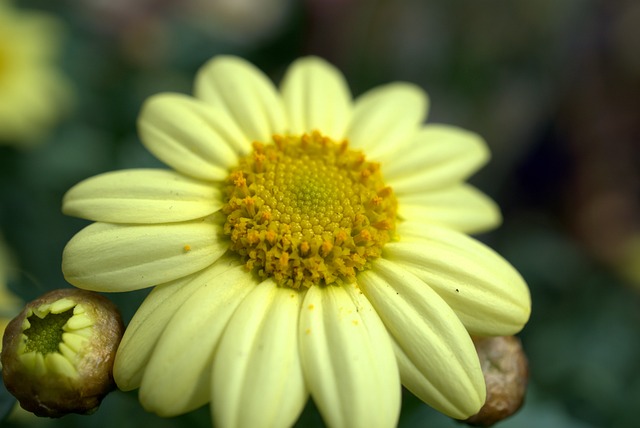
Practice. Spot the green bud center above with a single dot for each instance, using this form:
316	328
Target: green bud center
45	334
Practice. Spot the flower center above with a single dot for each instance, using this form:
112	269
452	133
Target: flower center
307	210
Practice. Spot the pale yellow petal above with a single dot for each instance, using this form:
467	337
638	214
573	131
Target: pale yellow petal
241	90
190	136
486	292
145	328
59	365
141	196
316	98
347	359
385	118
111	257
420	384
257	376
437	156
152	317
462	207
177	377
431	336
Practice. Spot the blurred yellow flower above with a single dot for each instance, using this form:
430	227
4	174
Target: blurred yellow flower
33	91
10	304
303	244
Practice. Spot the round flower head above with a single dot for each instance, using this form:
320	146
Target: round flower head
302	244
58	352
33	93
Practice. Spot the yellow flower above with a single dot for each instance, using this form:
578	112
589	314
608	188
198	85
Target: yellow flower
304	244
10	304
33	92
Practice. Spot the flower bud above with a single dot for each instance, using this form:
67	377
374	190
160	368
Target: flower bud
506	373
58	353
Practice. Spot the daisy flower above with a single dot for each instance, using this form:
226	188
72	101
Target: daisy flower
302	244
33	92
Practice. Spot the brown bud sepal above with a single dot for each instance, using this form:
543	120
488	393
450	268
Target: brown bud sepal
506	372
58	353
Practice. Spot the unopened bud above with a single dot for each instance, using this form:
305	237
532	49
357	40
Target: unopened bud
58	353
506	373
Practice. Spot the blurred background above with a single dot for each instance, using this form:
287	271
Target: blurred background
553	86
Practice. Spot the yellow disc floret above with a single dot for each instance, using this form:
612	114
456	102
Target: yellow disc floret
306	210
